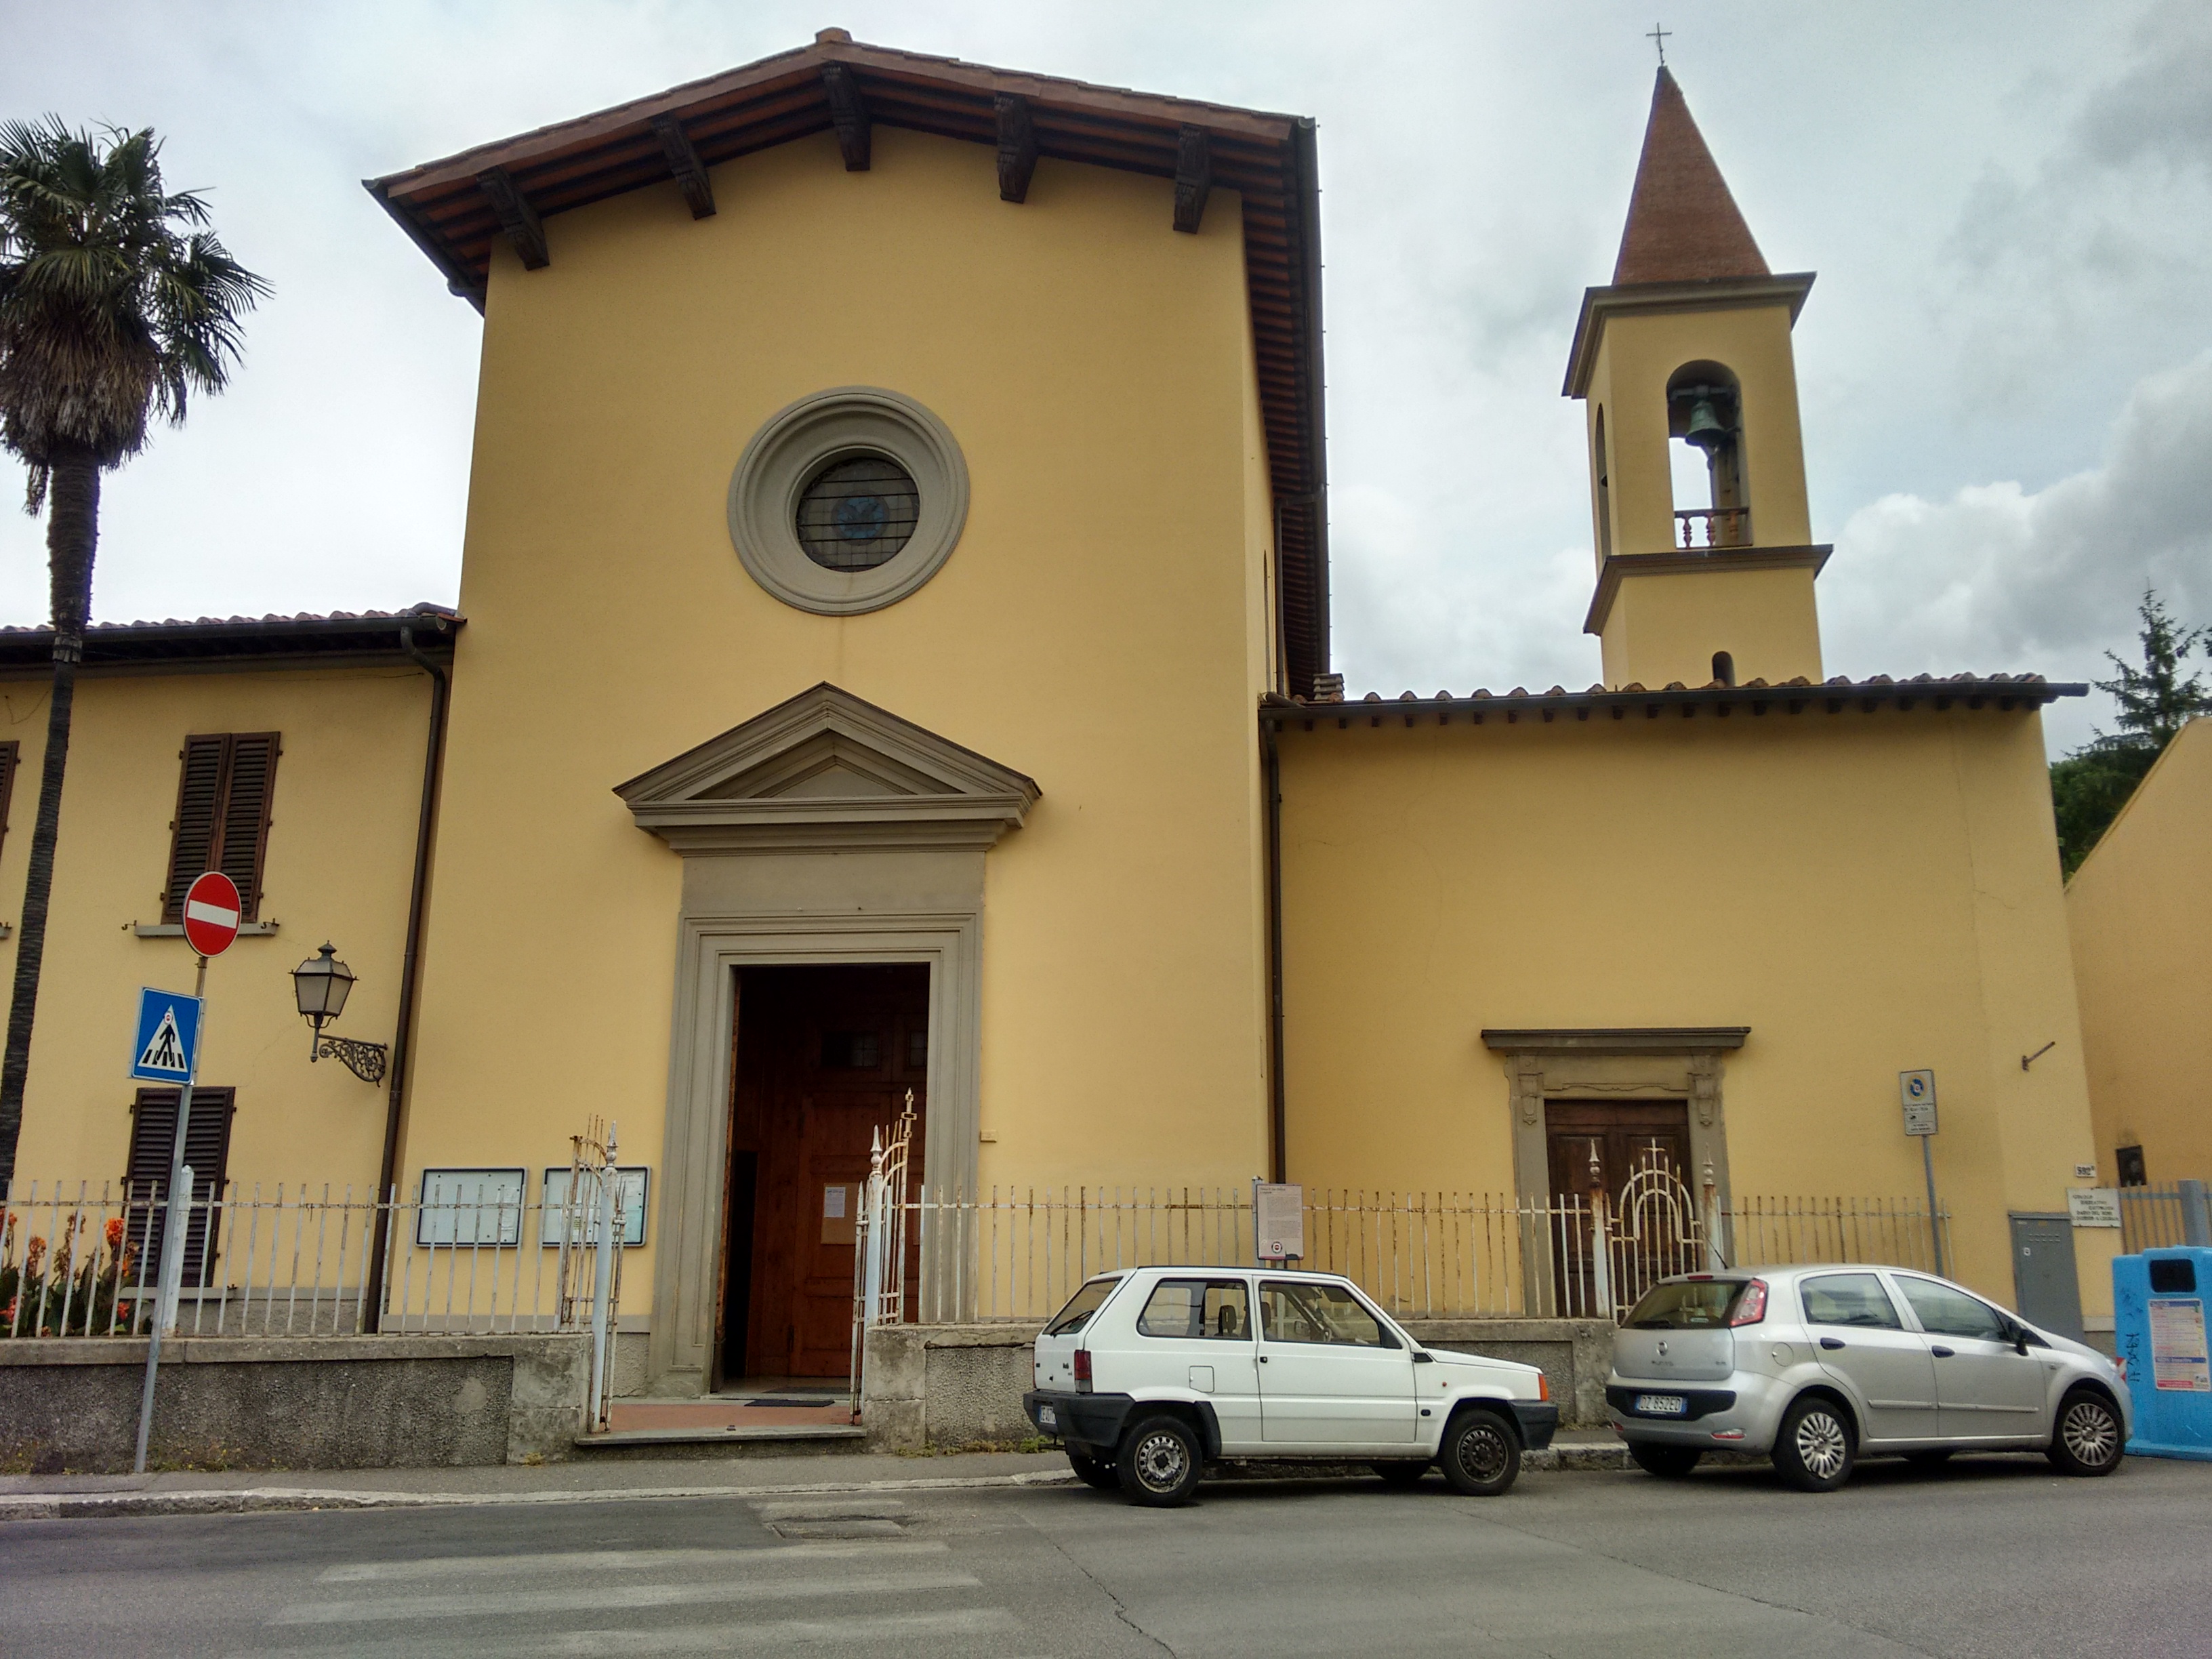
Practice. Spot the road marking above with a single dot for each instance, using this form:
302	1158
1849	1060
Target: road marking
603	1598
904	1627
472	1566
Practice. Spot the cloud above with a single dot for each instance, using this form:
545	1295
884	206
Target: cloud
1998	577
2162	108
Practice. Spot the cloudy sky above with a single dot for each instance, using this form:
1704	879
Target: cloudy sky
2007	364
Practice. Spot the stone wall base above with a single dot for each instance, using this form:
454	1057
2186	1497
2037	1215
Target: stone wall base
343	1403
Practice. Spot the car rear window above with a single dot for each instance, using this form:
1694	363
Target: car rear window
1205	1309
1695	1304
1080	1306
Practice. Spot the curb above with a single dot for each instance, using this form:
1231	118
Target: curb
254	1500
260	1500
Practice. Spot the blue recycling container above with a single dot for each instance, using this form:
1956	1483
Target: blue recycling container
2158	1307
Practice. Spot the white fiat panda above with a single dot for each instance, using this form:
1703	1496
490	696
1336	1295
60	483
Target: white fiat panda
1148	1374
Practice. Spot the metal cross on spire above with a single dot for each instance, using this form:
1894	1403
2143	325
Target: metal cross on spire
1658	38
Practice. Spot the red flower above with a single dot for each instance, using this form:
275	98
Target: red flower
114	1231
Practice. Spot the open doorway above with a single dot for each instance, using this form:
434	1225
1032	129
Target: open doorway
826	1057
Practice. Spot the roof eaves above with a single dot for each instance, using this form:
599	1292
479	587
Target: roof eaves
241	639
2002	692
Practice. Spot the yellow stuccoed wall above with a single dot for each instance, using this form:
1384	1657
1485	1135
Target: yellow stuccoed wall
1099	627
340	857
1869	894
2140	912
1665	629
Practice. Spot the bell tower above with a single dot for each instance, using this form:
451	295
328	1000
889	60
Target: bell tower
1683	363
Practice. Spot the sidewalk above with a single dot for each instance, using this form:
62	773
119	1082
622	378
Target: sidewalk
63	1497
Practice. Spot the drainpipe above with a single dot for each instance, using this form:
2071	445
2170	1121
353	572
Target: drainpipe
409	971
1272	780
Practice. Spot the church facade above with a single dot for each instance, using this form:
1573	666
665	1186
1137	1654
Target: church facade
892	663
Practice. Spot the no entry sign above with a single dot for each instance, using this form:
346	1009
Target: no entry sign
211	911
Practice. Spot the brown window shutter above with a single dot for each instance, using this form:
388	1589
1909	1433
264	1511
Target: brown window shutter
191	841
146	1181
244	837
10	751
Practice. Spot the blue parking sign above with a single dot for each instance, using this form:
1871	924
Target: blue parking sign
168	1047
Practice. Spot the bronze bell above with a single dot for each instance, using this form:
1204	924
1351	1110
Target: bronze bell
1706	430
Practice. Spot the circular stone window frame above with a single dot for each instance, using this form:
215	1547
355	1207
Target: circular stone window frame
788	452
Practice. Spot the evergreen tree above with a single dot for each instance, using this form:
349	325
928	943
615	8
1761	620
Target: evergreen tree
2090	786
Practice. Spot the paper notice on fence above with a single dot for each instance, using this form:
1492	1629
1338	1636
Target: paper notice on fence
1279	1220
2177	1359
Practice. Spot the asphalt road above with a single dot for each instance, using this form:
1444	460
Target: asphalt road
1993	1555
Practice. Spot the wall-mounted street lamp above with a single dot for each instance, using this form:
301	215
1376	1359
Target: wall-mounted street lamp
320	983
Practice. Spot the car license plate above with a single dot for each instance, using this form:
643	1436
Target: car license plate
1661	1405
1046	1418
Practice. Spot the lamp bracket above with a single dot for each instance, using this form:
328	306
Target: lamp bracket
364	1059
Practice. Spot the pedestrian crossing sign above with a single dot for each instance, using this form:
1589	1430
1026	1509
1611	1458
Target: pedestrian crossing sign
168	1047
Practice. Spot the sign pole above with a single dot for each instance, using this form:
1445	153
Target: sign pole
172	1249
1915	1092
1935	1222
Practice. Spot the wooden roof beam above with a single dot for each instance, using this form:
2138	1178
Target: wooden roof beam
848	113
1193	179
683	162
516	216
1018	146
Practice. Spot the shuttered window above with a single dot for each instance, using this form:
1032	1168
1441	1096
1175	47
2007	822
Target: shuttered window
9	752
223	791
207	1153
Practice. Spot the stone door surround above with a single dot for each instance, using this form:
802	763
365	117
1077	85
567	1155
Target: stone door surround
768	818
1674	1062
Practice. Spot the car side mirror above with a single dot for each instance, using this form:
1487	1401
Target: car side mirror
2019	1339
1422	1356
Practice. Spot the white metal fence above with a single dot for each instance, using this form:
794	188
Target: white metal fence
295	1260
1019	1255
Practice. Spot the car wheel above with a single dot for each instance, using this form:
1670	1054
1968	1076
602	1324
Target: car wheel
2088	1439
1668	1462
1160	1463
1481	1455
1817	1445
1094	1471
1402	1472
1936	1458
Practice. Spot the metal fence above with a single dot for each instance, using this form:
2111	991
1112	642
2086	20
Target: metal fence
2154	1217
77	1260
1019	1255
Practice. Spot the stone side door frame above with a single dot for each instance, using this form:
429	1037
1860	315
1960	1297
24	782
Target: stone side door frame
1678	1062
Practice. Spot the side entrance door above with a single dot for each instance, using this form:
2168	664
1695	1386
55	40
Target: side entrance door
1620	1137
1329	1373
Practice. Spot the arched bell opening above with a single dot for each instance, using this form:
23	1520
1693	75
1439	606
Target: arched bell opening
1704	413
1724	668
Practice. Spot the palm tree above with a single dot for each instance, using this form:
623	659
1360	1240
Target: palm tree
116	303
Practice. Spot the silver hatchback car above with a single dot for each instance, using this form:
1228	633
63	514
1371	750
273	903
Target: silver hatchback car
1816	1366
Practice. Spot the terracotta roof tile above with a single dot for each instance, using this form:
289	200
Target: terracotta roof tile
1999	691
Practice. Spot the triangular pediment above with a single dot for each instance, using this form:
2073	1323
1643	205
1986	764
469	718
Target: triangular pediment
828	770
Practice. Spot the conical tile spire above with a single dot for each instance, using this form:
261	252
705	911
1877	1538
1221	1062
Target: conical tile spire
1683	225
